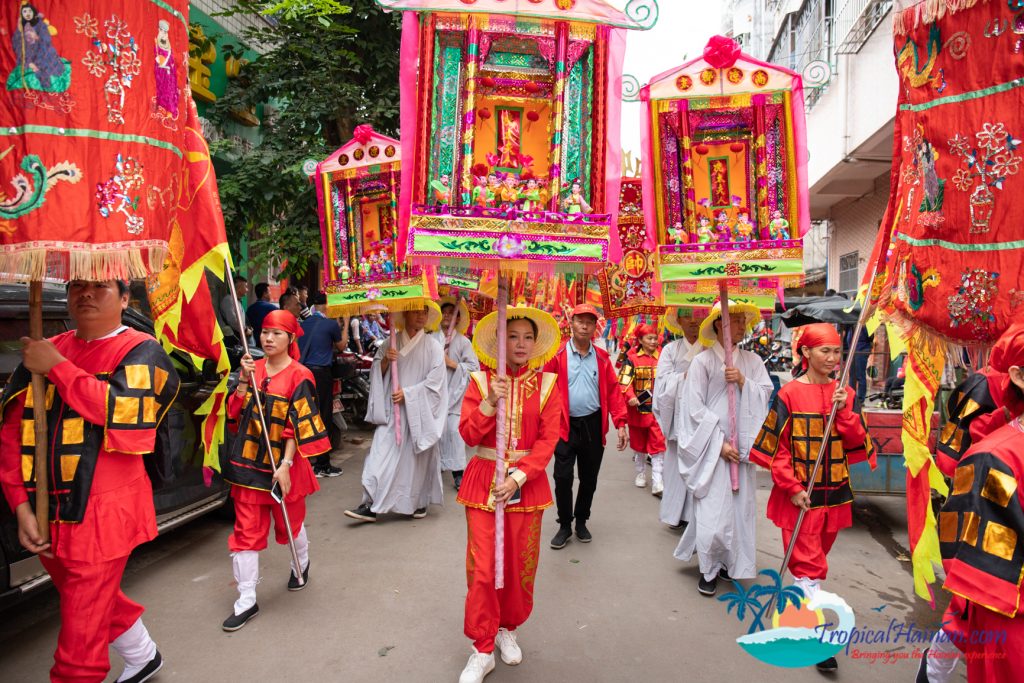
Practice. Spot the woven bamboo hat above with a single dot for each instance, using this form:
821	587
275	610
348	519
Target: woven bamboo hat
750	312
485	339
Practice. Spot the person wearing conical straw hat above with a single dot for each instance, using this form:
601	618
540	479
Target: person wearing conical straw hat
460	361
533	409
405	477
637	377
676	504
723	527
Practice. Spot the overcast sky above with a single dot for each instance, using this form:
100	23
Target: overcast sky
683	29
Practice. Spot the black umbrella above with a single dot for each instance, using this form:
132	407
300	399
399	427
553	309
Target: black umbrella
832	309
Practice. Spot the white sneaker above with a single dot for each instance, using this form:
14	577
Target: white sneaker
657	487
478	666
506	644
641	480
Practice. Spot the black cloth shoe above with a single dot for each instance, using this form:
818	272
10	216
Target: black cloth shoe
237	621
829	666
582	533
363	513
329	471
419	513
922	671
705	587
293	581
678	527
148	671
457	479
561	538
724	575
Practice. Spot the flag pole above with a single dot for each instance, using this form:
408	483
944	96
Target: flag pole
844	377
264	432
39	463
500	437
730	388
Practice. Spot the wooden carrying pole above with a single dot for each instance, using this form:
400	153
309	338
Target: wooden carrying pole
35	331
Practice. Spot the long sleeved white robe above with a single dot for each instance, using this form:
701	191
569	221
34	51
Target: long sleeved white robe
404	478
675	358
722	532
452	446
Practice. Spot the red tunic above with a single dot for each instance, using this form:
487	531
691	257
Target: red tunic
637	376
292	392
534	414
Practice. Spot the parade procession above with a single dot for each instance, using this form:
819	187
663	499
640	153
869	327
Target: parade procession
575	340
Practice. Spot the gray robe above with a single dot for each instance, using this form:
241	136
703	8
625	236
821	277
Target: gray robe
675	358
404	478
453	448
722	531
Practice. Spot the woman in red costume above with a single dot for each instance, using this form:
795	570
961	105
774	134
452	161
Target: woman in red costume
788	445
637	376
295	427
533	410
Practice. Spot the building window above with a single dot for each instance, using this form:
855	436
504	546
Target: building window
848	279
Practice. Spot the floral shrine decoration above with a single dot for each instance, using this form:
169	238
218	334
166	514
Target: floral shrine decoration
627	285
357	191
725	190
510	125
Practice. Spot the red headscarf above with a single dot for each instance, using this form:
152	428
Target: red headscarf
286	322
813	336
1009	350
642	331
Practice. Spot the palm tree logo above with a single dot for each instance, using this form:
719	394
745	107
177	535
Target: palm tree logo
759	597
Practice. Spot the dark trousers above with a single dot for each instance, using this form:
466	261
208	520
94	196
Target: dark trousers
325	402
584	449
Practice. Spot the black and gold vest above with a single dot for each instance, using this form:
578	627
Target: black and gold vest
142	385
642	377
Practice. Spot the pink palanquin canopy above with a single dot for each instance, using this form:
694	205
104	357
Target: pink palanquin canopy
638	14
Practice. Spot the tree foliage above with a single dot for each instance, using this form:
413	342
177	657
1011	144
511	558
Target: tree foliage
322	72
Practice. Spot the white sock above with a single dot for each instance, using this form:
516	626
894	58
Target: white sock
640	460
246	565
301	549
136	648
810	587
657	466
943	656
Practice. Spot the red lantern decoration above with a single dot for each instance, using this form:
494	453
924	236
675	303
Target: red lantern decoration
364	200
532	116
531	87
736	147
487	82
702	149
484	113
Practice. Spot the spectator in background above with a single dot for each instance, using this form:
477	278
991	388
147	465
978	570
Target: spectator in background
372	326
227	310
289	301
258	309
356	334
321	337
305	305
861	351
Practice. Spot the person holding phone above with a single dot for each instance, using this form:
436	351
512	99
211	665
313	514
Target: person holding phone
295	428
533	415
636	377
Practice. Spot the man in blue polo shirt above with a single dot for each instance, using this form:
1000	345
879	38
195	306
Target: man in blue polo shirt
320	338
258	310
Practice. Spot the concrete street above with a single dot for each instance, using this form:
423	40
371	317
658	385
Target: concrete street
385	600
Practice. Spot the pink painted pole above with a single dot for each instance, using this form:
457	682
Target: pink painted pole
501	437
451	326
395	387
734	468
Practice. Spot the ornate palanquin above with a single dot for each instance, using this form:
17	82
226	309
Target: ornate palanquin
725	187
357	190
510	119
627	284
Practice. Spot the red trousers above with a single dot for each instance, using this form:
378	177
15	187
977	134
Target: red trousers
252	522
999	653
809	554
93	613
648	440
488	609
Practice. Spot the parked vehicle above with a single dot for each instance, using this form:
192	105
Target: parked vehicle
175	469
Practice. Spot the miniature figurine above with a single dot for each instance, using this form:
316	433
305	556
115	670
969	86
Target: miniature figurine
705	233
493	189
575	203
531	195
364	267
345	272
779	227
509	193
722	227
442	190
677	233
387	264
744	228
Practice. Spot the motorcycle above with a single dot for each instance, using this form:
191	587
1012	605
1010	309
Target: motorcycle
352	387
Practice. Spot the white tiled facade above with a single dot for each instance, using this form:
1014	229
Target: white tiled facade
235	24
853	227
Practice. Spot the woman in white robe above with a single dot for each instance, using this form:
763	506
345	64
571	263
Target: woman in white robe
406	478
722	532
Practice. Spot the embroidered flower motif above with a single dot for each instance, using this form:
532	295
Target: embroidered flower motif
87	26
1006	164
992	136
959	145
373	294
962	180
909	176
508	246
94	64
912	141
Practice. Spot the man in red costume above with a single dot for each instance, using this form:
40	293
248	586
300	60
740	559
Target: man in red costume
788	445
981	528
589	389
108	388
533	407
637	376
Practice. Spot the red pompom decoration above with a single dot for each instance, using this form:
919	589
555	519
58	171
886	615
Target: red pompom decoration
363	133
721	52
484	113
364	200
531	87
702	149
532	116
736	147
487	82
